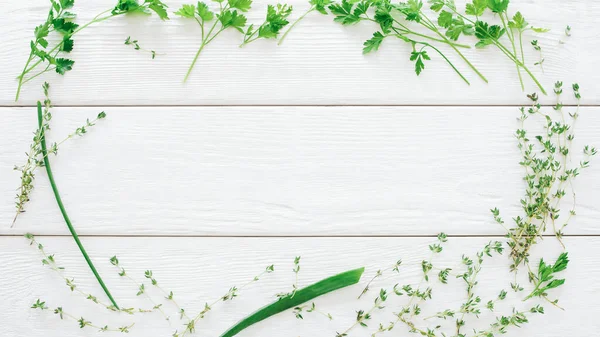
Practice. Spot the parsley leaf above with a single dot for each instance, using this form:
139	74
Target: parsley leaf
373	43
63	65
204	12
320	5
498	6
344	13
242	5
476	8
487	34
188	11
418	57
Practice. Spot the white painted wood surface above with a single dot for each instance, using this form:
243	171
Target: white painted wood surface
201	269
284	171
319	63
271	152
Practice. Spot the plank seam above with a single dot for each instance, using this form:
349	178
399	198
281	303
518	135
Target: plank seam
287	236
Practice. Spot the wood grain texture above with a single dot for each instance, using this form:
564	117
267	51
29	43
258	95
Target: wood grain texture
320	63
283	171
201	269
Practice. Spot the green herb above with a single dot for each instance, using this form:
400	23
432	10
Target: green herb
35	158
545	279
44	152
60	20
491	34
548	175
136	46
82	322
362	317
233	292
226	17
275	21
309	308
385	14
537	47
315	5
141	287
293	300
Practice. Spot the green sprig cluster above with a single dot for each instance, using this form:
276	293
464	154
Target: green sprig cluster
46	57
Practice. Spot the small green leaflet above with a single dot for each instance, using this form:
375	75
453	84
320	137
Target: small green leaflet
320	5
476	8
232	19
242	5
276	20
418	57
67	45
518	22
455	26
437	5
487	34
373	43
498	6
203	12
63	65
188	11
344	12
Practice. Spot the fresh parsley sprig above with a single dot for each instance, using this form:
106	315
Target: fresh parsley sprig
315	5
60	20
275	21
229	15
490	34
387	15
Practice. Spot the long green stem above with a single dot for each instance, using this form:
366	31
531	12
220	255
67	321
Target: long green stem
511	38
432	27
301	296
62	207
294	24
447	60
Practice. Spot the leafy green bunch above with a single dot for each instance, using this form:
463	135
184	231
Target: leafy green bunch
410	22
230	15
275	21
48	55
471	23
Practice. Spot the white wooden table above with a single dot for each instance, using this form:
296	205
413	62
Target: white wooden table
267	153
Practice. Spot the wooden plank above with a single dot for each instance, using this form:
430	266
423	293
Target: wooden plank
283	171
201	269
320	64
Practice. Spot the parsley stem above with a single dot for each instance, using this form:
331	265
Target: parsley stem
450	43
194	62
511	38
62	207
294	24
21	77
431	27
447	60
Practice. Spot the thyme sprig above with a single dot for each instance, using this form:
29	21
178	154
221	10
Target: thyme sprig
140	287
549	175
136	46
232	293
50	261
35	157
82	322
